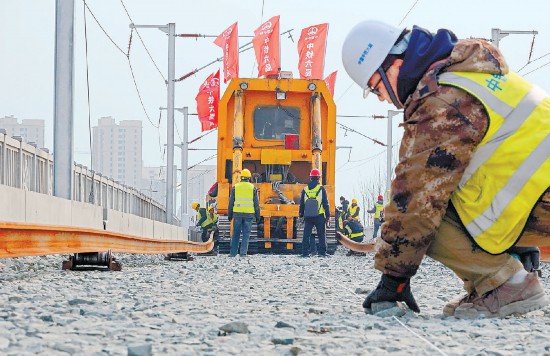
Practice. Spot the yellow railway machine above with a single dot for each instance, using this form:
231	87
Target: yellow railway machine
279	129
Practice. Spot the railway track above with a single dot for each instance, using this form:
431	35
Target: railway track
18	240
365	247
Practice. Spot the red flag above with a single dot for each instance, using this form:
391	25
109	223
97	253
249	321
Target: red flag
207	102
330	80
228	41
266	47
311	50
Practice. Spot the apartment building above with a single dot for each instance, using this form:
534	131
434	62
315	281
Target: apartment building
116	150
31	130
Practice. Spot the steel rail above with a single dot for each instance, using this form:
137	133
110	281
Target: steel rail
17	240
370	247
355	246
544	253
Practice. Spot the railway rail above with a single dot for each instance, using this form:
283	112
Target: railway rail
18	240
371	247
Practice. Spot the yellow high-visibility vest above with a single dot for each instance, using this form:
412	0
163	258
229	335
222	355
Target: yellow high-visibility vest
312	193
510	168
379	208
244	198
214	218
351	212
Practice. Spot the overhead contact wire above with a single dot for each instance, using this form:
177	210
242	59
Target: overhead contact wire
91	197
143	43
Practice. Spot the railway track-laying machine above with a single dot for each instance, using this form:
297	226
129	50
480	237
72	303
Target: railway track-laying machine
278	128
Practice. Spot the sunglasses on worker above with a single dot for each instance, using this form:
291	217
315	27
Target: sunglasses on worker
373	90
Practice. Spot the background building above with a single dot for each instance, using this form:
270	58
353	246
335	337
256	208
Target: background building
153	183
116	150
199	180
31	130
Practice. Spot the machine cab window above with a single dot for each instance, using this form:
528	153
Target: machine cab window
273	122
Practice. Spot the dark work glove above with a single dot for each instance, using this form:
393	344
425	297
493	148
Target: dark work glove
529	257
392	289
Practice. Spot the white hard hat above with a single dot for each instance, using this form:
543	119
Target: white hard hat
366	47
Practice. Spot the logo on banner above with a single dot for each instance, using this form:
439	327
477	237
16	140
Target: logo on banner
312	31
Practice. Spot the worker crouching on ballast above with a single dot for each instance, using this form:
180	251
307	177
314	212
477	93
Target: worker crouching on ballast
354	230
472	175
202	220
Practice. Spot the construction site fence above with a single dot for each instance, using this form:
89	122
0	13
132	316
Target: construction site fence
25	166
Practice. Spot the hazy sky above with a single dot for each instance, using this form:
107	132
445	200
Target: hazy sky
27	67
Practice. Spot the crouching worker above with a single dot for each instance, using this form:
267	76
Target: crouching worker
354	231
202	220
212	227
472	179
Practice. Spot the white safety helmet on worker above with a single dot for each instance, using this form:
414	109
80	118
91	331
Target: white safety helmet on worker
365	48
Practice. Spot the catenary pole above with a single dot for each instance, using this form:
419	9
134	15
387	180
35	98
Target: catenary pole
170	187
184	173
184	212
170	29
63	99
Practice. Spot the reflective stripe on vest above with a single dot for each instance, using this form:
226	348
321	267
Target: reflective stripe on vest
312	193
352	210
509	169
379	208
244	198
352	234
214	220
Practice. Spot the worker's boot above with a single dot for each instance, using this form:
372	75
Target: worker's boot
449	308
509	298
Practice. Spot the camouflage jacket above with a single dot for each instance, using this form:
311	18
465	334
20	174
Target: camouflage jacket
442	127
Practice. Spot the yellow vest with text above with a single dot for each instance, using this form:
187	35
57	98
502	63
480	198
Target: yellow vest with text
244	198
351	212
379	208
510	168
312	193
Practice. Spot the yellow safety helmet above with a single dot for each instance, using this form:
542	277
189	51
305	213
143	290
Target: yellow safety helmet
194	205
246	173
354	201
211	207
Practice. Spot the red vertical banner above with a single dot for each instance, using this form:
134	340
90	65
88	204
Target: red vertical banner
208	99
266	47
330	80
228	41
311	51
